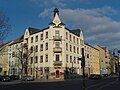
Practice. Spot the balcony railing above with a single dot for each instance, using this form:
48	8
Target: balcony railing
57	38
57	63
57	49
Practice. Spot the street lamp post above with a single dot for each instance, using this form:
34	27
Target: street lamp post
83	67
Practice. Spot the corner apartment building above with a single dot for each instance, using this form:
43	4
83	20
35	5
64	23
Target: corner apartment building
53	50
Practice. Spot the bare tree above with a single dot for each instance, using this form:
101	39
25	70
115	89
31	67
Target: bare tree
23	55
4	27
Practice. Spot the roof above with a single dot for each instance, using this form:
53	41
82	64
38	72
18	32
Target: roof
5	44
33	30
19	39
76	31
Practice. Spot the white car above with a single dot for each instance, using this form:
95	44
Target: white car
27	78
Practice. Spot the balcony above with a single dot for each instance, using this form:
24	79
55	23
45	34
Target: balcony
57	63
57	50
57	38
25	45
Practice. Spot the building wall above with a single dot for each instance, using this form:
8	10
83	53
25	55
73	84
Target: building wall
4	66
95	61
88	59
14	58
104	60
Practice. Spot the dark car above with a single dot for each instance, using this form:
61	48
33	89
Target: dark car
4	78
95	76
92	76
27	78
14	77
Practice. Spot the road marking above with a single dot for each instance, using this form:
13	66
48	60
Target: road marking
93	85
106	85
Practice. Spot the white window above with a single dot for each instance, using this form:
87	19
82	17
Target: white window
57	44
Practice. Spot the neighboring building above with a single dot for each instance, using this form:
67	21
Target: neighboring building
95	60
113	63
14	56
88	59
54	50
107	59
4	66
104	60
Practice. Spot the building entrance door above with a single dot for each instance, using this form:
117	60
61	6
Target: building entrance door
57	74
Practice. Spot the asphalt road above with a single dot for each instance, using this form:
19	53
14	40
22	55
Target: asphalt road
103	84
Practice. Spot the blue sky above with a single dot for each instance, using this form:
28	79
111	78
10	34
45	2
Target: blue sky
98	19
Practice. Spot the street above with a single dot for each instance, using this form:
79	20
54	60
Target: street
103	84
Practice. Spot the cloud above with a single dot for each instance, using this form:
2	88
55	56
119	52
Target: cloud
97	24
50	3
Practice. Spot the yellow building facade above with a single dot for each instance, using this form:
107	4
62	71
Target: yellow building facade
4	66
95	61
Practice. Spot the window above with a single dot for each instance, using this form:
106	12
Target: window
74	39
36	48
70	59
36	59
70	38
67	58
41	70
31	39
87	55
74	59
41	37
46	58
41	47
31	49
77	41
70	48
36	38
78	61
46	46
74	49
57	44
57	33
31	60
46	34
31	71
67	46
66	35
77	50
41	59
57	58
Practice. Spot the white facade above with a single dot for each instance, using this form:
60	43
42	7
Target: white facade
54	50
14	57
88	59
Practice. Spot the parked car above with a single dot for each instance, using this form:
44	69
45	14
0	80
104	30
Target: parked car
104	75
4	78
14	77
92	76
27	78
95	76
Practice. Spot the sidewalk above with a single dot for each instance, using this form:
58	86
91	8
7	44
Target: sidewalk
36	81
